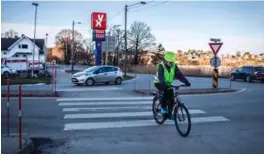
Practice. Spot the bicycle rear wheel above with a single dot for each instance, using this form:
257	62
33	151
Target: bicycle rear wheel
159	118
182	117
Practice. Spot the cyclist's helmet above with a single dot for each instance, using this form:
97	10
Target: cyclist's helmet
170	56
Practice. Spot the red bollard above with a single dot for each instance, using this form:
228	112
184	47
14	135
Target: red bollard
8	108
55	79
149	84
135	82
20	118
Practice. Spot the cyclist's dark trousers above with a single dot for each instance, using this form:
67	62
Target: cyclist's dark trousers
167	96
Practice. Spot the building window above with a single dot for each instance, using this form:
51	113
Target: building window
23	46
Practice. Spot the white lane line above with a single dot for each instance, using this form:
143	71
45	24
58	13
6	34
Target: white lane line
115	115
105	103
104	108
134	123
104	99
89	89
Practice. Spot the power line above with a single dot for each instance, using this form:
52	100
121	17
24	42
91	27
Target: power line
116	15
150	6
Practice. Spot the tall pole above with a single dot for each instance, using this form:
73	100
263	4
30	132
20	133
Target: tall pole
46	52
36	5
107	50
72	45
125	39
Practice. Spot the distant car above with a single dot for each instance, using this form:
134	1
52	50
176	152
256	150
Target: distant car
248	73
7	71
98	74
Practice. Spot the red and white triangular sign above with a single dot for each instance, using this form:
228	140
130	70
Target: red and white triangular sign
215	47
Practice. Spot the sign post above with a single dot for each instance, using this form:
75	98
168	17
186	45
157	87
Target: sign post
215	61
98	24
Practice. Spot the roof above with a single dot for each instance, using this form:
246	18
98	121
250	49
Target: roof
7	42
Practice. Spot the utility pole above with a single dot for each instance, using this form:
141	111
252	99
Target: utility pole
72	46
36	8
126	39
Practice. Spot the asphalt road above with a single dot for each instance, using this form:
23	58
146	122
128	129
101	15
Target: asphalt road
222	123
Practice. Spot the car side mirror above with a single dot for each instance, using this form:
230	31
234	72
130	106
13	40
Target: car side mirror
96	72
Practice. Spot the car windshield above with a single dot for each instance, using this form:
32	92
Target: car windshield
260	69
91	69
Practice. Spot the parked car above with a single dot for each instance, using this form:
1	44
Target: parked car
98	74
248	73
7	71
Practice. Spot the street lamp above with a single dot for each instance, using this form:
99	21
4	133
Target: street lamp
36	8
126	8
73	23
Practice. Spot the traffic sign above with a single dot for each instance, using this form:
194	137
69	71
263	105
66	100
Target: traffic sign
99	20
215	47
215	61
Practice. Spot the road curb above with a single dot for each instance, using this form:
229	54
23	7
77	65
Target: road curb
189	91
31	93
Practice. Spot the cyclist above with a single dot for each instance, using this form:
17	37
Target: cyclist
166	72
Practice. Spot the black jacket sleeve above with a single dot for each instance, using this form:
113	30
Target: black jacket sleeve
180	76
161	74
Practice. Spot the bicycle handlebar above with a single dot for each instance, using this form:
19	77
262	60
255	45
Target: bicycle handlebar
177	87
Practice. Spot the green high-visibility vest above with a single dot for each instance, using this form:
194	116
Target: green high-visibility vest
168	76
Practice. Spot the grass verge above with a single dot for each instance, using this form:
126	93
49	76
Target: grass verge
17	80
74	71
127	77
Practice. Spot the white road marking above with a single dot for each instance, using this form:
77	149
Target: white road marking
135	123
89	89
104	108
114	115
105	103
105	99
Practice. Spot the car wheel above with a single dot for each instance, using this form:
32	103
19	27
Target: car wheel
233	77
89	82
118	80
248	78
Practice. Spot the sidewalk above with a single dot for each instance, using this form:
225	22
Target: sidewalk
10	145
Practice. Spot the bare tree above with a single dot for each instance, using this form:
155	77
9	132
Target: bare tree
64	38
9	34
139	38
118	33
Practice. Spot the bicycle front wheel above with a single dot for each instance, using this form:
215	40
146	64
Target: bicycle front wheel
182	118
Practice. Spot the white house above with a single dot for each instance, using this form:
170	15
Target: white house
23	47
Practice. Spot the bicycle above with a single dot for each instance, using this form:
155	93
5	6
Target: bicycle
176	105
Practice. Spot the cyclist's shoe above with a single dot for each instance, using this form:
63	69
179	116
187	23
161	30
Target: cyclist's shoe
163	111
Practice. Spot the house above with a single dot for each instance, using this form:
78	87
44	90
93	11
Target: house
23	47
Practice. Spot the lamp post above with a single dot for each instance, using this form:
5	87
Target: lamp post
45	60
126	9
36	8
73	23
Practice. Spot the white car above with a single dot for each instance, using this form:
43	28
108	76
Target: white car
98	74
7	71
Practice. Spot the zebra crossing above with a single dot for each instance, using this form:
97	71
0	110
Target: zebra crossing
103	113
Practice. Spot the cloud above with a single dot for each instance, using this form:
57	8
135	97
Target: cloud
170	38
